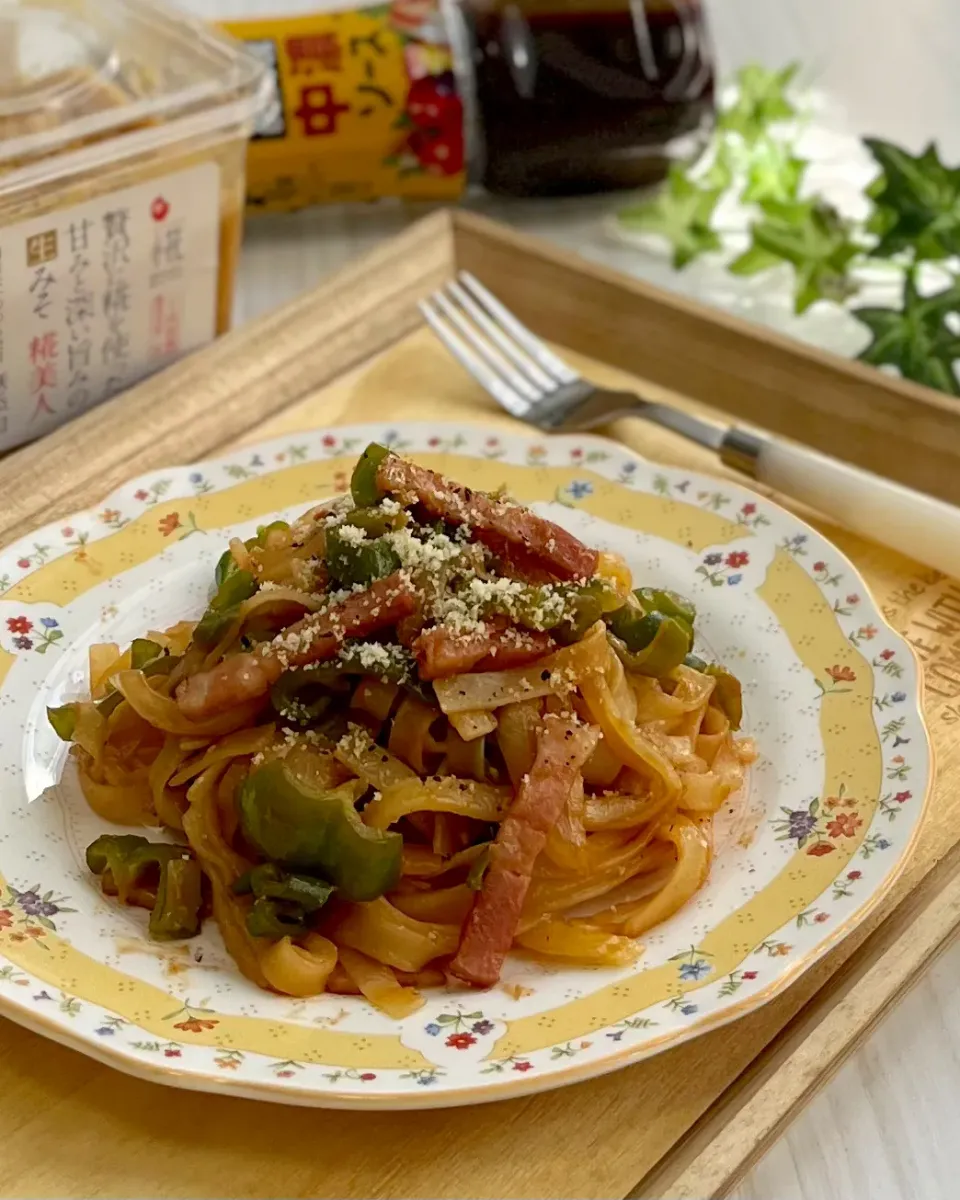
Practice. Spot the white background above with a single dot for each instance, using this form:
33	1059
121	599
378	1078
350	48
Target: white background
886	1126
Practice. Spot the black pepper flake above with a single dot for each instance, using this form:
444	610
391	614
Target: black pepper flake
544	675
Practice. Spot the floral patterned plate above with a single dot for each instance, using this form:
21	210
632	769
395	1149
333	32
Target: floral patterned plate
829	813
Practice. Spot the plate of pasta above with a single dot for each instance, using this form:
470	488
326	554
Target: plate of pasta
422	766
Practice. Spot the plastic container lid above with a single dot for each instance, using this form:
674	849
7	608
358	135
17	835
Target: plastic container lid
96	80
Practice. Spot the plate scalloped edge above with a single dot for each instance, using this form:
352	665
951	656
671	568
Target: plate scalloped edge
453	1055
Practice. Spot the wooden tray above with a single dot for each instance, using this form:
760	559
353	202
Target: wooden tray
686	1123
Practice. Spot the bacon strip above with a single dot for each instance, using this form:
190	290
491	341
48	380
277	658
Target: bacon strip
440	652
517	562
493	521
381	606
563	746
317	637
237	679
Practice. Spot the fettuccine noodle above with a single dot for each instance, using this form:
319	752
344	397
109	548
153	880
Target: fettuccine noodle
415	729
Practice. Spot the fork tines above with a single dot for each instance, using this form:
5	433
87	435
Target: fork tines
502	354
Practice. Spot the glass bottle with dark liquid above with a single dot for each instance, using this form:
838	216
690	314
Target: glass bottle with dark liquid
575	96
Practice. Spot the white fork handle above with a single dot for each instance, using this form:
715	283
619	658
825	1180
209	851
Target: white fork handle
917	525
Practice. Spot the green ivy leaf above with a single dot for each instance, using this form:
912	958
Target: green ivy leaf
680	213
915	338
753	261
813	237
774	174
918	203
761	100
719	175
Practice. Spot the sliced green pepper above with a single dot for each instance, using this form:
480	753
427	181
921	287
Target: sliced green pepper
607	595
586	606
282	901
300	697
64	721
142	651
213	625
237	587
226	566
268	881
635	628
728	689
233	587
128	857
353	659
162	665
666	650
176	913
533	608
350	564
303	696
374	521
274	919
538	608
636	625
112	700
478	868
264	531
138	869
729	694
586	609
671	604
334	727
318	832
363	483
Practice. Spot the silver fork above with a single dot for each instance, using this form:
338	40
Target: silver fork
535	385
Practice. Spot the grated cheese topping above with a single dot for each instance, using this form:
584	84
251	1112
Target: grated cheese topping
355	742
449	571
353	535
416	553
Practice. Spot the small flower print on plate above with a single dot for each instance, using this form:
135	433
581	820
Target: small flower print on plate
838	811
572	493
36	634
724	569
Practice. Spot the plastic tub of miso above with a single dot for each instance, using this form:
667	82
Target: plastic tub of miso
123	140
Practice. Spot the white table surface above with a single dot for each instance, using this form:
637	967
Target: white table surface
885	1125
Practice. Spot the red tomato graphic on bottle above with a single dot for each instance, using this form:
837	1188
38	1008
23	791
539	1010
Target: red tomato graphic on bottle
433	103
435	110
439	152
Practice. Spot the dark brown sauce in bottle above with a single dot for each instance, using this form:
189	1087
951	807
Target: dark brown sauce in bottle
577	96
